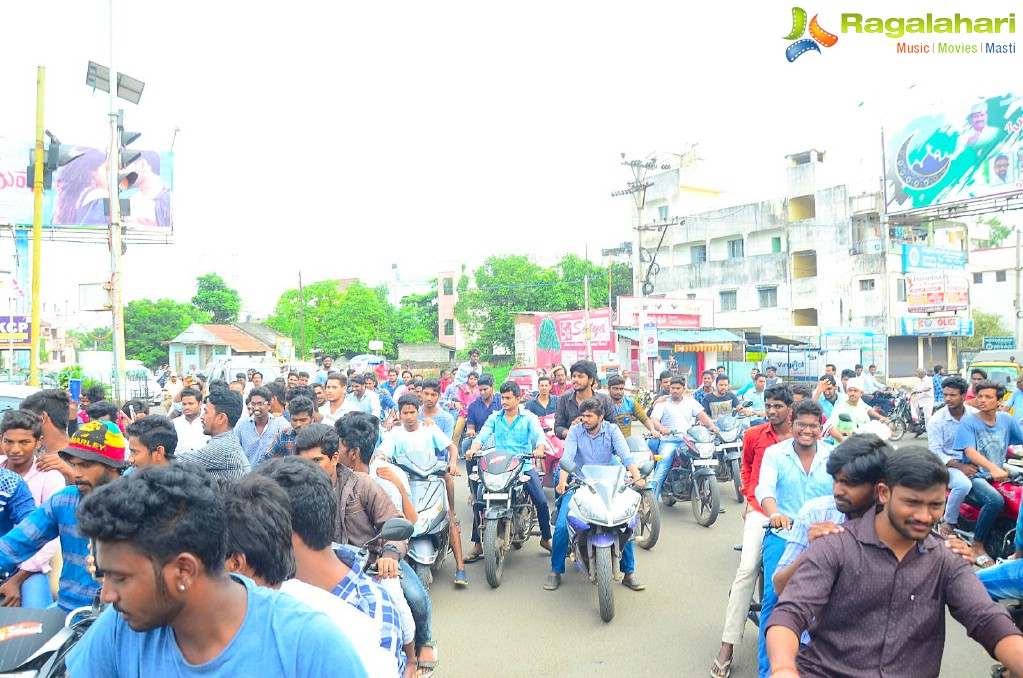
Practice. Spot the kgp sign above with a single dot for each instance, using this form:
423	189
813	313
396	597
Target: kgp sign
16	330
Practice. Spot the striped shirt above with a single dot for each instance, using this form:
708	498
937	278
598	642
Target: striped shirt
361	592
253	443
16	500
54	519
283	446
222	457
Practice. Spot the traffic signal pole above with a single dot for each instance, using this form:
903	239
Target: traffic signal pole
37	229
113	168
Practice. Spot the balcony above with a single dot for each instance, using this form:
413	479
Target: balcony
752	270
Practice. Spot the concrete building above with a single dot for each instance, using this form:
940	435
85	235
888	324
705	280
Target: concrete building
200	344
449	330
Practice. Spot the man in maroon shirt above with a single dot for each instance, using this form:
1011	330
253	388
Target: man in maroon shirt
778	403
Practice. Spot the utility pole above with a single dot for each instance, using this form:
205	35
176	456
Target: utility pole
37	235
301	314
1019	292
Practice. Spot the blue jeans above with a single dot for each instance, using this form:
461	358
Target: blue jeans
991	504
534	488
1003	581
418	601
559	547
774	547
959	486
35	591
663	466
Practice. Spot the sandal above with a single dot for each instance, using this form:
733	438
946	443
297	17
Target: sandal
472	557
426	668
721	670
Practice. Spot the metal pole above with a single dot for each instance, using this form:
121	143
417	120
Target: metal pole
301	314
1019	291
113	165
37	235
10	341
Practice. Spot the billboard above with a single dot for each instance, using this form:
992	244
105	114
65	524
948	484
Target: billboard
667	313
561	337
951	326
79	196
938	291
16	331
921	258
966	149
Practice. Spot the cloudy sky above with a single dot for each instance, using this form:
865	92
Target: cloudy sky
340	138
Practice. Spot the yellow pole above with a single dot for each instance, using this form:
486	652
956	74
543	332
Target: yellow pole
37	228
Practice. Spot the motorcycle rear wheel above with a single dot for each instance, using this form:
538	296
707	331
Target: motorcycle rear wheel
898	427
648	528
424	573
733	467
605	594
493	555
706	500
442	552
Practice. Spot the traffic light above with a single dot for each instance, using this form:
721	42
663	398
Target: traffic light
125	177
57	155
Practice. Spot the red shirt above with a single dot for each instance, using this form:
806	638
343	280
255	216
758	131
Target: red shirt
754	442
444	383
559	390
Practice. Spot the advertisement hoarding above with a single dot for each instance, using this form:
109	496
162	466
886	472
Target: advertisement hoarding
922	258
79	196
952	326
968	148
561	337
15	330
937	292
667	313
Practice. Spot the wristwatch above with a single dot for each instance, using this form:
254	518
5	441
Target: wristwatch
393	549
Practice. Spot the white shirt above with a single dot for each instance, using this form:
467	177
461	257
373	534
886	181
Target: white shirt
190	435
375	465
329	418
677	416
362	630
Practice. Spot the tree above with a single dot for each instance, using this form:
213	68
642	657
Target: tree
415	321
149	325
213	296
97	339
336	321
984	325
999	232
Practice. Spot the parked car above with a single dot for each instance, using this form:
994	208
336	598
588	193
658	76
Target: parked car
365	362
525	377
227	368
11	396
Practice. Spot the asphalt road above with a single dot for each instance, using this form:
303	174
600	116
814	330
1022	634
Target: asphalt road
671	629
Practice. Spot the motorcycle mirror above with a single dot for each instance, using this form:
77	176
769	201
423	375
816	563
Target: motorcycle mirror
567	465
747	403
395	529
844	417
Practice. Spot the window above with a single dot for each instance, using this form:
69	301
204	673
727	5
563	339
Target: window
735	249
449	327
662	213
1000	276
697	254
728	300
190	349
900	289
768	297
776	244
690	295
978	278
220	350
867	285
449	287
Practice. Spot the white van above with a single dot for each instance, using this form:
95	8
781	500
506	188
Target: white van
227	368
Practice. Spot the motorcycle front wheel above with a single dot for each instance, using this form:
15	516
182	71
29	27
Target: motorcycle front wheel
424	573
648	528
897	426
493	555
733	467
605	594
706	500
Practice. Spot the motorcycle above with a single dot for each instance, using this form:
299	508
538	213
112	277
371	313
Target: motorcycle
393	529
428	545
693	476
1000	541
36	642
648	529
601	518
508	516
901	417
728	449
555	447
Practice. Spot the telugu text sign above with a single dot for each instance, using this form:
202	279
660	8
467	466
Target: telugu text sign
921	258
937	292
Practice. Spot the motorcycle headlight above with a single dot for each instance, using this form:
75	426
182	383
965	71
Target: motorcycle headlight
587	511
729	436
706	450
495	482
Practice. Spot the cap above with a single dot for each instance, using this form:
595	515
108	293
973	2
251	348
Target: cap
98	441
979	108
854	382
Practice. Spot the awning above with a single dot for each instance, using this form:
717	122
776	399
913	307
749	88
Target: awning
707	336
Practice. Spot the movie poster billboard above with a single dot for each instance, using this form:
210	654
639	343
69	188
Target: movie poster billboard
79	197
965	150
561	337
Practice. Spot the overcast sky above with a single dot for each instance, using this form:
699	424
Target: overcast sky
339	138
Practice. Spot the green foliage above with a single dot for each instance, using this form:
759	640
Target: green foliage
70	372
336	322
415	321
213	296
97	339
514	284
999	232
984	325
148	325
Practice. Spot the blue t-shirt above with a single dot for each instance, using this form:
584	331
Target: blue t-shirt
443	420
991	441
279	637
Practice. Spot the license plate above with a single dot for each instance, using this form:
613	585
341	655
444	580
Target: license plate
495	495
705	462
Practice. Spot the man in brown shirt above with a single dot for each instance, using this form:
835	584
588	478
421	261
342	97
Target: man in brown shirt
874	596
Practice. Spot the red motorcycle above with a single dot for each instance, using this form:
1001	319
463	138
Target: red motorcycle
1000	543
548	467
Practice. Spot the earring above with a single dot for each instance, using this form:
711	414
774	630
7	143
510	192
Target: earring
181	587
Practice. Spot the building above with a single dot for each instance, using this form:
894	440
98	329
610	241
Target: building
200	344
449	330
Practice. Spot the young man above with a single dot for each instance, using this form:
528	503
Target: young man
545	403
827	394
722	401
754	373
21	431
478	412
321	395
519	433
977	375
467	394
706	387
161	541
388	408
325	369
292	379
394	386
941	435
191	436
420	441
859	413
567	411
876	593
471	365
676	413
263	551
361	398
593	440
756	396
756	440
337	405
258	432
363	507
984	439
151	442
301	410
560	386
625	410
52	405
445	380
95	455
936	379
432	411
792	473
313	508
222	456
772	375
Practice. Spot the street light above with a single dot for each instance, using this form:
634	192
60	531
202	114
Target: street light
128	88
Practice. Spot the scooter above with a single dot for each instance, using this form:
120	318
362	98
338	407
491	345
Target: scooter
429	543
601	518
1000	542
508	516
728	448
693	475
648	529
